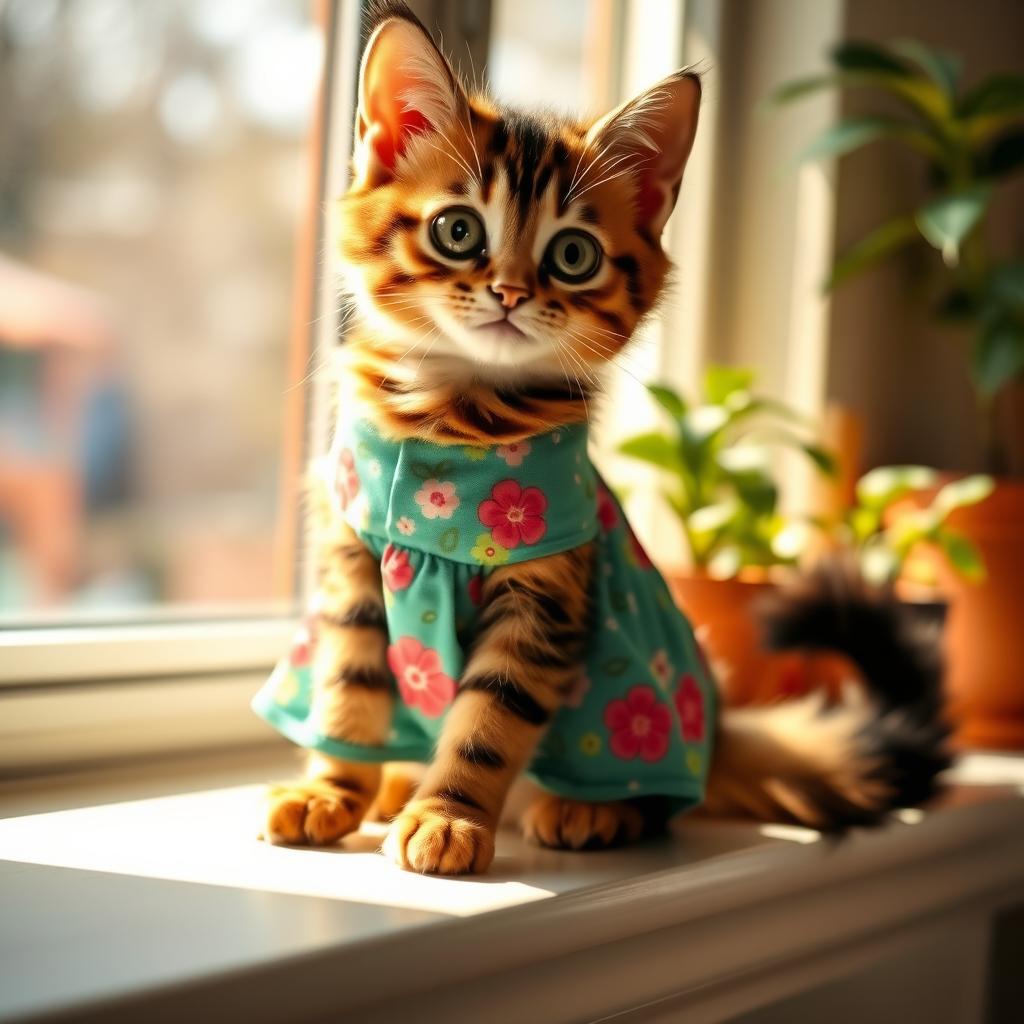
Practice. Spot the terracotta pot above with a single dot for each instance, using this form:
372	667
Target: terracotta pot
985	629
723	613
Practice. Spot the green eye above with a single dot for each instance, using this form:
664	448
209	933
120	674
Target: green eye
573	256
458	233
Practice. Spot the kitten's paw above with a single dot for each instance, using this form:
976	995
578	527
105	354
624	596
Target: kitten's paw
577	825
310	814
436	837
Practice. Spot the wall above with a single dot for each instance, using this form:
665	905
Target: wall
907	377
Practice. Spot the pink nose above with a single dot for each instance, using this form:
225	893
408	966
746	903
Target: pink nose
510	295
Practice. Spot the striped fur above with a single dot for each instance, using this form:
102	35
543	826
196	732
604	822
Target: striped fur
422	360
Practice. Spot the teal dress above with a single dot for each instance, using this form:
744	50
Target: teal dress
440	518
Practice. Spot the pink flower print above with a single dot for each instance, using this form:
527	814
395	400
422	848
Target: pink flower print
395	569
661	668
513	454
515	514
406	526
437	499
420	678
303	645
346	479
577	691
607	513
475	586
639	724
689	700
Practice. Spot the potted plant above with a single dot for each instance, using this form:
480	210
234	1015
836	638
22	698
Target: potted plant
896	540
969	141
717	477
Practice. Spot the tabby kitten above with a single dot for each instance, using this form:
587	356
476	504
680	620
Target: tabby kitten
481	598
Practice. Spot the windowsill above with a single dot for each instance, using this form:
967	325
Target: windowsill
162	905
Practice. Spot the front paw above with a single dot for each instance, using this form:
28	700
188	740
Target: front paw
312	813
578	825
437	837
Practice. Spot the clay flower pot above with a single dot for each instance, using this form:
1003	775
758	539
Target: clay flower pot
724	614
985	628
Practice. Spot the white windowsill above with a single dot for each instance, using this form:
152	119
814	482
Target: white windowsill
167	908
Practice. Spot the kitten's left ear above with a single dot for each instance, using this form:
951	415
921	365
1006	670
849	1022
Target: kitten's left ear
653	133
405	87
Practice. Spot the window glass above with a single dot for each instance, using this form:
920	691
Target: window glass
152	177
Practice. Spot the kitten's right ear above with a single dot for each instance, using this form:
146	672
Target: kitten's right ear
405	87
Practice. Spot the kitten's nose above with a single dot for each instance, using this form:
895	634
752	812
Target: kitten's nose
510	295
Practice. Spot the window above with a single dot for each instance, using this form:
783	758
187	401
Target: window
152	183
161	180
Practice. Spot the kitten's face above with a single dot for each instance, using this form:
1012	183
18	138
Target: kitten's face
495	245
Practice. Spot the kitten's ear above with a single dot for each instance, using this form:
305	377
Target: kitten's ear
653	133
405	86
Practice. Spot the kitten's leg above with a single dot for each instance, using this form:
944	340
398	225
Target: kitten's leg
565	824
527	654
352	698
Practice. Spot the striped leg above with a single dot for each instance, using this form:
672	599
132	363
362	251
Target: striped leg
527	654
352	698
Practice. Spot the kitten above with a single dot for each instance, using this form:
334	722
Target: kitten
482	602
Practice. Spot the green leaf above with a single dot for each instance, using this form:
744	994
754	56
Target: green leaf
962	554
722	381
773	407
669	399
863	63
968	490
998	356
879	563
726	562
822	458
1006	286
712	518
744	458
942	68
997	94
757	491
945	222
911	527
871	249
854	132
702	423
858	55
657	449
800	87
449	540
992	105
1004	156
881	487
864	522
791	541
677	505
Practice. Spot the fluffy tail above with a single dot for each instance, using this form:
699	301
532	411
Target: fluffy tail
830	765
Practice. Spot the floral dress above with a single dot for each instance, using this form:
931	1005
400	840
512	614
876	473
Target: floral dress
440	518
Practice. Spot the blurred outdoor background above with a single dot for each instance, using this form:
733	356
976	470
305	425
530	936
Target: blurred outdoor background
152	171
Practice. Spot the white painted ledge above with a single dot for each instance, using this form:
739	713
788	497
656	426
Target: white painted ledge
168	909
